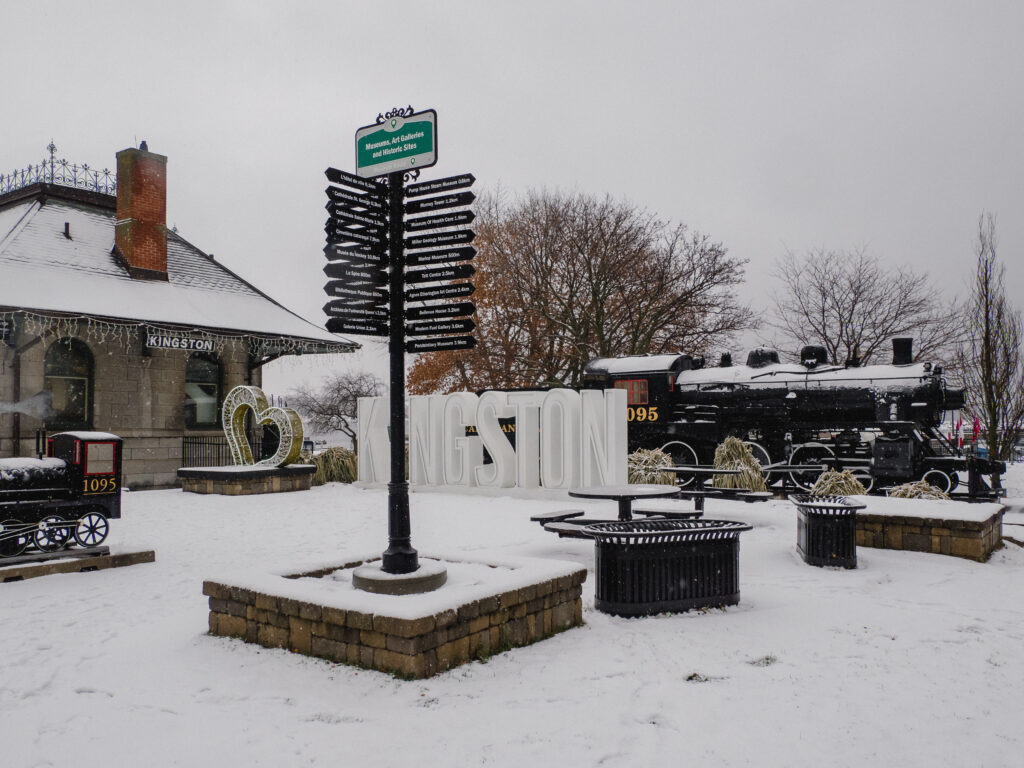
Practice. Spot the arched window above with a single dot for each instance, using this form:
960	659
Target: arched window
202	391
68	375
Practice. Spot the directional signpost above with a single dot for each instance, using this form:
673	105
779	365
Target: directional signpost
367	238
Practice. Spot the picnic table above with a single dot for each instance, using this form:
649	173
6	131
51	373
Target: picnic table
625	495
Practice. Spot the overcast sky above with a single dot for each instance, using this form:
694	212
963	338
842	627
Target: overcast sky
769	126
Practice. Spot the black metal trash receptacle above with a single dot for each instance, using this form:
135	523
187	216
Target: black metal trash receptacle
656	566
826	532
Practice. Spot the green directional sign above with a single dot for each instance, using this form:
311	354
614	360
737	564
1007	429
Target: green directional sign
397	144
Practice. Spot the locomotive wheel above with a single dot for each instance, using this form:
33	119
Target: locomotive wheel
13	538
91	530
808	453
938	479
52	534
865	479
681	454
761	454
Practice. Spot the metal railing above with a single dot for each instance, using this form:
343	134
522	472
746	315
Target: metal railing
213	451
61	173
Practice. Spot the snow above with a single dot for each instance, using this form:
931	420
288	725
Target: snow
45	271
469	578
823	377
89	435
22	468
912	659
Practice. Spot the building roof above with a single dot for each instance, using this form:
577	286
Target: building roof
43	272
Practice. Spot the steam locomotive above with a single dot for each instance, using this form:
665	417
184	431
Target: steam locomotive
882	422
66	497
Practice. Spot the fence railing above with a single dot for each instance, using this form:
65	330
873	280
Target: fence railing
61	173
200	451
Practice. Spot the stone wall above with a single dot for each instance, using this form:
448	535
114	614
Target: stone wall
975	540
295	477
414	648
139	394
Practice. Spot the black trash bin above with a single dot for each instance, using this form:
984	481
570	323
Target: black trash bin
656	566
826	532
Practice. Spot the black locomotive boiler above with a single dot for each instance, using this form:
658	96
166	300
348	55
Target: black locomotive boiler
882	422
66	497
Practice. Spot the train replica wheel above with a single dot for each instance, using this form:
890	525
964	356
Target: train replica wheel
681	454
13	538
51	534
939	479
865	478
808	453
91	530
761	454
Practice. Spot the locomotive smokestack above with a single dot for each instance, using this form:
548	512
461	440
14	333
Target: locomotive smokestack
902	351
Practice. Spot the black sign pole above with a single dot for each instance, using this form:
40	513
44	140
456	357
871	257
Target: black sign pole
400	557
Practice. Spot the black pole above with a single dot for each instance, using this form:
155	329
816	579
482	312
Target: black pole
399	557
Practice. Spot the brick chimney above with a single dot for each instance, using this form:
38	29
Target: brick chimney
140	235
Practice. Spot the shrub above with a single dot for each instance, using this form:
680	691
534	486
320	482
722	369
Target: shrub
832	483
733	453
335	465
645	467
918	490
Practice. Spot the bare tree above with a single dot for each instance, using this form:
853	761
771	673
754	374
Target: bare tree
565	278
332	408
990	359
849	302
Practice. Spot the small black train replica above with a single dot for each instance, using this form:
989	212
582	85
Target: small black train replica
882	422
66	498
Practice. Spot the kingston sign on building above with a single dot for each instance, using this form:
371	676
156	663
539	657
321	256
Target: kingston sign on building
110	321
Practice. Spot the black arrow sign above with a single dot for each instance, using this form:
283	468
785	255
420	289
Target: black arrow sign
446	256
341	308
437	345
357	254
358	296
440	185
438	311
440	203
440	220
343	271
363	327
457	237
457	291
351	198
343	216
457	272
446	326
351	180
340	235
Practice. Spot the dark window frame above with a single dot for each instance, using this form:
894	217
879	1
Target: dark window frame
66	347
190	412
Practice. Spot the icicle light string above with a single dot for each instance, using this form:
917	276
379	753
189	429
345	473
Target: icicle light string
126	334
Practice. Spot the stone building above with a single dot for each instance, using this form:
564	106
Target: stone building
110	321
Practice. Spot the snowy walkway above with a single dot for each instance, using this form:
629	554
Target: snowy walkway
911	660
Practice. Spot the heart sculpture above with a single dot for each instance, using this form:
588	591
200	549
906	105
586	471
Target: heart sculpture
287	421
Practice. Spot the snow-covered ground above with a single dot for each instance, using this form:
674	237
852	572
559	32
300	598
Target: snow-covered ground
910	660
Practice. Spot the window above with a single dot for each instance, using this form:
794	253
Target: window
202	391
99	458
68	375
636	390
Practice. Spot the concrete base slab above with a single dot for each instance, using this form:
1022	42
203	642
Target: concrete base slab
428	577
74	564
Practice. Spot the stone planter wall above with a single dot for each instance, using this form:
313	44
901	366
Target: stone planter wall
296	477
961	538
414	648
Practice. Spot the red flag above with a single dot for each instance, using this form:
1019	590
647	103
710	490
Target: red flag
977	428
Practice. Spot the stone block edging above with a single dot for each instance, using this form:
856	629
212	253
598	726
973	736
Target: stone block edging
971	539
411	647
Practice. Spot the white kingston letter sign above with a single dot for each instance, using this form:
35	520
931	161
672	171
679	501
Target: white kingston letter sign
564	439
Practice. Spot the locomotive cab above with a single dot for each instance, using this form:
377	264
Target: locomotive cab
93	461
